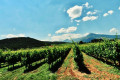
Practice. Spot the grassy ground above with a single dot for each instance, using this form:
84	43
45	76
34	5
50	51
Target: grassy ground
40	73
100	70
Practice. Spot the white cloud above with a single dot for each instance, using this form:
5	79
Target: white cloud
89	18
119	8
87	5
86	34
62	30
113	30
106	14
65	36
68	30
77	20
91	13
110	12
12	35
75	11
68	36
21	35
49	35
78	24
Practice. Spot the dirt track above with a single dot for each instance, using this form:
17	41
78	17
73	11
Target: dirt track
69	73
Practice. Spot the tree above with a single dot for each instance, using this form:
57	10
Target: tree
81	42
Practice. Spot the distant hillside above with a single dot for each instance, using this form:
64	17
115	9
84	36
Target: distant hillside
92	36
23	42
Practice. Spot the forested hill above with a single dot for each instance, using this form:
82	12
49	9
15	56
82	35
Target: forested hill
23	42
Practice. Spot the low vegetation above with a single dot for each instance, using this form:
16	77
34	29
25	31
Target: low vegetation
72	61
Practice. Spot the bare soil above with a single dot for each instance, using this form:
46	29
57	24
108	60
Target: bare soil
91	64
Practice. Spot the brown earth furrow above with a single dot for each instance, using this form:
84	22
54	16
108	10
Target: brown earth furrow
96	74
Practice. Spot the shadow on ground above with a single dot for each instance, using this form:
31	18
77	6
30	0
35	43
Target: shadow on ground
3	65
107	62
58	64
82	68
31	68
14	68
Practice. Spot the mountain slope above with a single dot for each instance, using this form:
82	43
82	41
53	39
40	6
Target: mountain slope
92	36
23	42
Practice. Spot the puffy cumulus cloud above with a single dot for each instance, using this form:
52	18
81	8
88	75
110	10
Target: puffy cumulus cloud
106	14
113	30
68	36
87	5
77	21
65	36
12	35
75	12
92	13
87	18
68	30
119	8
49	35
110	12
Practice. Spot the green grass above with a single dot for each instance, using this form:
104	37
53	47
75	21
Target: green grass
75	65
41	73
66	62
69	78
103	66
86	76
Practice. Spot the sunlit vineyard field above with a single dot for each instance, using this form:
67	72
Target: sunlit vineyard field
62	62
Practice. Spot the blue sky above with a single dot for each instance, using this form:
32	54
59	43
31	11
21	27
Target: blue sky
58	19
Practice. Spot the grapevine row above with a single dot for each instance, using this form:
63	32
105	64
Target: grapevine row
27	57
108	51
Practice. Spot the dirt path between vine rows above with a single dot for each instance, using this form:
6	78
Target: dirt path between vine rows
68	72
98	71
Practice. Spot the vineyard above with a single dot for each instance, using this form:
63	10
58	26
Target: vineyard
27	57
50	62
109	51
